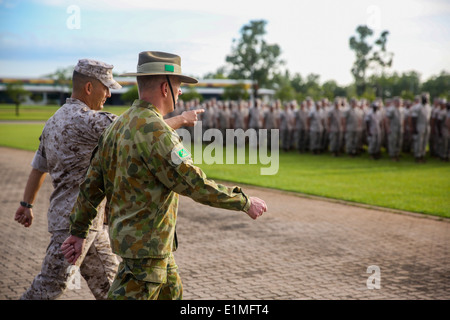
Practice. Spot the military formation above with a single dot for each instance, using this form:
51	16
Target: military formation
353	127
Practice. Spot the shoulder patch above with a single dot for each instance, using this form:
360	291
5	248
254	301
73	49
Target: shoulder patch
180	154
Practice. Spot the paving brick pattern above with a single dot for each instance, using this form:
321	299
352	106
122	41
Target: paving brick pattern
302	248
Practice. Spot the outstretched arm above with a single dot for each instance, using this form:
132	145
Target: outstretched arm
187	119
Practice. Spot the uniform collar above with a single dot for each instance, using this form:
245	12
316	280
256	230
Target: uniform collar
144	104
73	101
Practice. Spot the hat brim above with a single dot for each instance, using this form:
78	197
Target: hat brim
183	78
112	84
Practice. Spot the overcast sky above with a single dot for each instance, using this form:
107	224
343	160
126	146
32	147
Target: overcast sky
37	37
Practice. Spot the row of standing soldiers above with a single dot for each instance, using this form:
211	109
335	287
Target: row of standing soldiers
339	126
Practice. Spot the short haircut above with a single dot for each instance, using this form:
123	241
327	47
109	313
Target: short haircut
149	82
79	80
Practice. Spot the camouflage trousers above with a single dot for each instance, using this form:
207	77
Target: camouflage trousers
97	265
315	138
374	144
147	279
335	141
395	139
351	142
420	141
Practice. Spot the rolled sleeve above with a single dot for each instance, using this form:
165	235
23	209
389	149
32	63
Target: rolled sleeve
39	162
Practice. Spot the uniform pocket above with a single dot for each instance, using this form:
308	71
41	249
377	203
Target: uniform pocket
148	270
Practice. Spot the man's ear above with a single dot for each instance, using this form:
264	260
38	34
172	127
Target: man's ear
88	87
165	89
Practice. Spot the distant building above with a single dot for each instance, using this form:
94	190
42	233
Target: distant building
49	91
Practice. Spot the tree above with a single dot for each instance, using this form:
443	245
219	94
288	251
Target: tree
63	80
236	92
362	49
131	94
438	86
380	61
284	90
369	56
17	94
252	57
330	90
191	94
219	74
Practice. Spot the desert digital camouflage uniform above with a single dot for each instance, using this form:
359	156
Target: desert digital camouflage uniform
443	133
66	143
238	117
315	129
334	117
373	119
208	117
421	134
269	123
285	128
300	128
141	166
351	126
395	135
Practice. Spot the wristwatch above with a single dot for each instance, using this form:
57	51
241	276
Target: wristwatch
26	204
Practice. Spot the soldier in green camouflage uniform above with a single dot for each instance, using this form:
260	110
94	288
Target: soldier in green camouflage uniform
141	167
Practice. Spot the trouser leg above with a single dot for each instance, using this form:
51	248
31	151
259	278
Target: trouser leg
53	279
100	265
334	146
147	279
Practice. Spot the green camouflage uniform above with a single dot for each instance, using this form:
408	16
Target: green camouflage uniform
141	166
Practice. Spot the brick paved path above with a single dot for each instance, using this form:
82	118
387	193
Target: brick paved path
301	249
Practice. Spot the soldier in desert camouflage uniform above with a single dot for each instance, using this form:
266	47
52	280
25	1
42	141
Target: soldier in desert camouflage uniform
420	119
141	167
394	128
66	143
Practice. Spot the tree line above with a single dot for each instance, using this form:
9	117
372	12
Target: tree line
251	57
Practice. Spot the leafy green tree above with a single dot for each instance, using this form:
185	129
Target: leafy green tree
17	94
282	85
131	95
312	87
252	57
191	94
362	49
381	60
235	92
330	90
219	74
438	86
63	80
370	56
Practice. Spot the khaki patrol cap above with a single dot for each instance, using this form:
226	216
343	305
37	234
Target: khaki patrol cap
99	70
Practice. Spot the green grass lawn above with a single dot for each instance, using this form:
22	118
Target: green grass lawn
404	185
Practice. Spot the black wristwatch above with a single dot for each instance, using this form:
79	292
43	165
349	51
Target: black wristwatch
26	204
